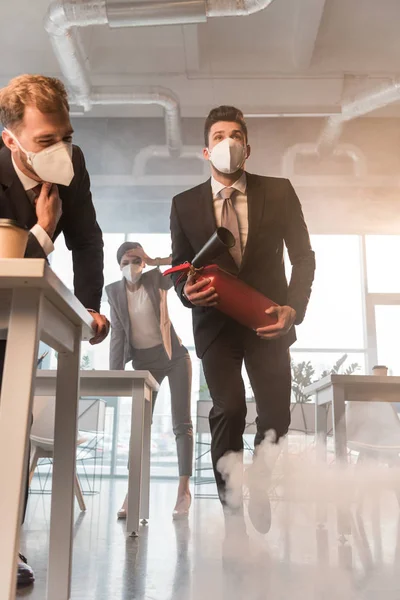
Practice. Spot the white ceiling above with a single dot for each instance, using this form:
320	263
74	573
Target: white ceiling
296	55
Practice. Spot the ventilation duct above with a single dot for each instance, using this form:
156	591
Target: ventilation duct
140	173
343	150
64	17
147	95
362	105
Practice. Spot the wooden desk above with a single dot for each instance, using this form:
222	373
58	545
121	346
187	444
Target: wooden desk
339	389
139	386
35	305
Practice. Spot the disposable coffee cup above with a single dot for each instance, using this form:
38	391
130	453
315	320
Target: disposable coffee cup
380	370
13	239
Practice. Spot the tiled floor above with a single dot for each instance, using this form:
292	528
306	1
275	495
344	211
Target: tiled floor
182	561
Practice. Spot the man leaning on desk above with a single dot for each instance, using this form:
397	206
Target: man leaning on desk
44	185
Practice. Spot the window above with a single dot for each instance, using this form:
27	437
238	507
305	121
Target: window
382	263
383	300
387	320
334	317
334	323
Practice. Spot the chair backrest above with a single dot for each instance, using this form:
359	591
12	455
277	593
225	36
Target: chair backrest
42	431
91	415
372	423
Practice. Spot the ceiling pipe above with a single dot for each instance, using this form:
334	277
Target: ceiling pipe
235	8
144	95
64	17
342	150
151	152
61	21
362	105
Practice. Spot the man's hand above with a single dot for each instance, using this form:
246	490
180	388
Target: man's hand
48	208
193	293
101	326
286	318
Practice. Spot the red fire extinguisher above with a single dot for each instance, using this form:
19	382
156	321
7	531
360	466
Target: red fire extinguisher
237	299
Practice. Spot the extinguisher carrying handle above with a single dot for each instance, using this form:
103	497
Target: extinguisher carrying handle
184	269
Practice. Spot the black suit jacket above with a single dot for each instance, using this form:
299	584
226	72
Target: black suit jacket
275	219
78	224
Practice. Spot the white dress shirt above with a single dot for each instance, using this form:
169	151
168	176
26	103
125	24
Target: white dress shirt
145	328
38	231
239	202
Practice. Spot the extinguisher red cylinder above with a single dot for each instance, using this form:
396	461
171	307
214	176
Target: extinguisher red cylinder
238	300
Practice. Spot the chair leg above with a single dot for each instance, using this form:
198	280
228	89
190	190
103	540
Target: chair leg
33	463
78	494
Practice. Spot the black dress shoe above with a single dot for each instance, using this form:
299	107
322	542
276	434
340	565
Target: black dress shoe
25	575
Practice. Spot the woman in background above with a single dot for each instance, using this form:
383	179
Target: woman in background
142	332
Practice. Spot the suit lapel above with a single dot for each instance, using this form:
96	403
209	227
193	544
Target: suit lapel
255	207
20	204
207	216
17	202
123	308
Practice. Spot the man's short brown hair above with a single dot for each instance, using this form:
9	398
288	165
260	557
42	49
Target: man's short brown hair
48	94
224	113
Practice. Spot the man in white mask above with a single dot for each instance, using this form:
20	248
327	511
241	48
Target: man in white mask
44	185
264	215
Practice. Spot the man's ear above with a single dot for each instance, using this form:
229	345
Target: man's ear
206	154
9	141
248	151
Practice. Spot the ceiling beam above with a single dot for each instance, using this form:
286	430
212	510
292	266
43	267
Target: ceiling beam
306	28
191	48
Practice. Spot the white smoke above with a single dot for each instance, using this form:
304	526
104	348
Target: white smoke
306	555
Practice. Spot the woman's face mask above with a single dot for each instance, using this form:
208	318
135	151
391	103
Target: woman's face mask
132	272
228	156
52	164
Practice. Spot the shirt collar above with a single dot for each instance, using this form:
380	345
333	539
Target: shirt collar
240	185
27	182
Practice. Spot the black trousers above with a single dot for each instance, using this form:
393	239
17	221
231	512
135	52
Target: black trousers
3	344
268	367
